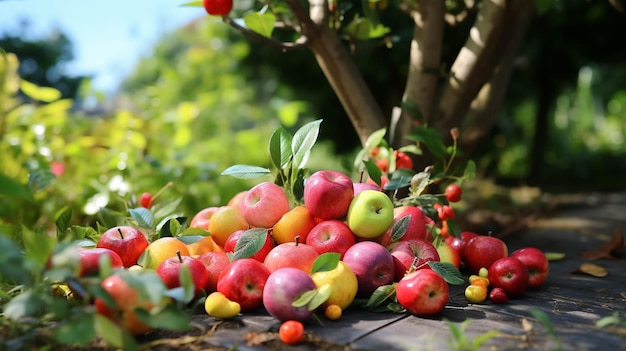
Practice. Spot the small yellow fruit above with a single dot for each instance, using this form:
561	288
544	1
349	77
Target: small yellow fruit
478	280
135	267
219	306
476	293
343	282
332	312
483	272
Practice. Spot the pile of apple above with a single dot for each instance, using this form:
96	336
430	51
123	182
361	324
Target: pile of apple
346	241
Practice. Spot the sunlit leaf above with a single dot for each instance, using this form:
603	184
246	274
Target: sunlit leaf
250	242
280	148
142	216
419	182
323	293
193	4
592	270
304	298
448	271
470	170
555	256
164	228
325	262
79	331
108	331
38	93
38	245
262	23
246	172
381	295
303	141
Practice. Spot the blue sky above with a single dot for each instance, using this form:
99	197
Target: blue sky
108	36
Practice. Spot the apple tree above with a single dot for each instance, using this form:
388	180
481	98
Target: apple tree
464	94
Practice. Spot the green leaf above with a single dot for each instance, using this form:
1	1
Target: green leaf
304	298
399	228
38	245
190	239
195	232
543	318
40	179
555	256
419	182
401	178
280	148
359	28
142	216
174	226
109	331
166	208
12	263
23	305
246	172
45	94
413	110
381	295
13	189
432	138
478	341
170	318
193	4
303	141
448	271
373	171
164	228
78	331
470	170
250	242
375	139
186	282
323	293
454	228
325	262
262	23
63	221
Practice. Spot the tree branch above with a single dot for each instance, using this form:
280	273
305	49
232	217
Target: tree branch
424	65
283	46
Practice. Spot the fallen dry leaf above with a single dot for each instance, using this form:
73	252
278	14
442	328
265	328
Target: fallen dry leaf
607	250
256	339
592	269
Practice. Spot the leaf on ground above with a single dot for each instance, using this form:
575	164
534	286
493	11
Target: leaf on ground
256	339
555	256
607	250
591	269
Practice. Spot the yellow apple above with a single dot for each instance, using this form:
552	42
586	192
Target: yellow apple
343	282
219	306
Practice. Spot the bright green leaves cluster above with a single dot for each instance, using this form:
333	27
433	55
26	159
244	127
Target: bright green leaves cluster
289	155
313	299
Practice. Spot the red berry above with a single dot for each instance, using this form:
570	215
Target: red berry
445	212
383	164
498	296
218	7
291	332
145	200
453	193
403	160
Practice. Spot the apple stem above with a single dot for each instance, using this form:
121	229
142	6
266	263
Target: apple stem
121	234
361	176
180	257
297	239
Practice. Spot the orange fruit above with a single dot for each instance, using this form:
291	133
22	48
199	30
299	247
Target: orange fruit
204	245
225	221
162	249
297	222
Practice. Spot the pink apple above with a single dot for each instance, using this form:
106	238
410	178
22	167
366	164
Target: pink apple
243	281
231	244
264	204
482	251
169	271
331	236
283	287
89	260
128	242
537	264
327	194
423	292
215	263
291	254
448	254
201	219
458	243
498	296
358	187
372	264
509	274
416	252
416	228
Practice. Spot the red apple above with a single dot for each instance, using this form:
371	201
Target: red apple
331	236
482	251
416	252
536	262
126	300
231	244
128	242
416	228
458	243
292	254
243	281
327	194
283	287
509	274
264	204
201	219
169	271
423	292
89	260
448	254
215	263
372	264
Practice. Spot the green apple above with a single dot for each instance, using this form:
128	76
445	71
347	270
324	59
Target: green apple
370	214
